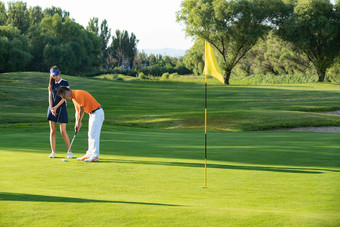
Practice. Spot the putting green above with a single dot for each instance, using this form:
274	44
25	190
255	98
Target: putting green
151	169
156	177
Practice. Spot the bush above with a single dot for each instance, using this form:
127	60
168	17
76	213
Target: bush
278	79
158	70
142	76
118	70
333	74
173	76
165	76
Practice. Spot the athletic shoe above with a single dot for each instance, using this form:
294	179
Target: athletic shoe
52	155
92	159
69	155
84	157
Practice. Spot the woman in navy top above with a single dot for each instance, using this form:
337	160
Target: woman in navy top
57	111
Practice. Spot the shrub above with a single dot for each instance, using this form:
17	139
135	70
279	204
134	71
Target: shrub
165	76
142	76
333	74
278	79
173	76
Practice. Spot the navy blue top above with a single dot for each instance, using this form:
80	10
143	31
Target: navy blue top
62	110
55	98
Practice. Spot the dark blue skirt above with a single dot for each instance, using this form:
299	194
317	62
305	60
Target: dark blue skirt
61	114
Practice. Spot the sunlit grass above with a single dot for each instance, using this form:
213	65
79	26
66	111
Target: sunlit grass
178	104
156	177
151	169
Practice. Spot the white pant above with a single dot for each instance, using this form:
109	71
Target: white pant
95	126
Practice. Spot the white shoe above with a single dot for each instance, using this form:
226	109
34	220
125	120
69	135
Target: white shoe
69	155
52	155
92	159
84	157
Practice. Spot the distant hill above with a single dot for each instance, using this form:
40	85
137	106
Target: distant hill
165	52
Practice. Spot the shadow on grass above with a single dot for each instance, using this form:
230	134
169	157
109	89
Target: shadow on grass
222	166
291	152
8	196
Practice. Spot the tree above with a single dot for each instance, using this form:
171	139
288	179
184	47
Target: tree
92	25
105	34
194	58
37	42
56	10
313	27
14	54
141	60
35	15
18	16
180	67
124	48
157	65
275	56
69	45
152	59
232	27
3	14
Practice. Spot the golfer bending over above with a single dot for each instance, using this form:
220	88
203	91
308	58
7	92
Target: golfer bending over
84	102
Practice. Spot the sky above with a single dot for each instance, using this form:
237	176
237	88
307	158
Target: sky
152	21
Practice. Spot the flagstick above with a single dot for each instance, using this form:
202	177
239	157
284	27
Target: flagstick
210	68
205	130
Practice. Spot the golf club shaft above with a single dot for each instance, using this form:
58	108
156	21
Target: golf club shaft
68	150
72	142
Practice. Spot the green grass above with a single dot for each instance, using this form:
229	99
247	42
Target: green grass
177	104
152	147
155	178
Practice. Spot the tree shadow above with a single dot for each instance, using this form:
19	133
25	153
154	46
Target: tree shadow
295	151
223	166
21	197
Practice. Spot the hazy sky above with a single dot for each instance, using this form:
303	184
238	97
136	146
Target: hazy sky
152	21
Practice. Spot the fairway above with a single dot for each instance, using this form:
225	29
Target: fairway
151	169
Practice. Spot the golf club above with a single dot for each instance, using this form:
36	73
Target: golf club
64	160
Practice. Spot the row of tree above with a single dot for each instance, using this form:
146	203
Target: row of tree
251	37
234	27
270	55
35	39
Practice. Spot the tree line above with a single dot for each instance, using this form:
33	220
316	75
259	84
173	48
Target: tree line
264	36
33	39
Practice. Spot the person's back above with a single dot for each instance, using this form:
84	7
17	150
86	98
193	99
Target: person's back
83	98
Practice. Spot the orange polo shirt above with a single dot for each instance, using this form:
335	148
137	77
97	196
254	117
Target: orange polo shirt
83	98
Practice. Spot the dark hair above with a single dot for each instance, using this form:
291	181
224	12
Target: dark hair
61	91
52	81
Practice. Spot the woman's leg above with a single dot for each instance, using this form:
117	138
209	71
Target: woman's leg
65	136
53	132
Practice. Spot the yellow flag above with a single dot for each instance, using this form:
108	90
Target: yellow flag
210	67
